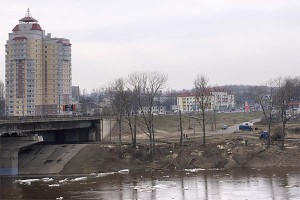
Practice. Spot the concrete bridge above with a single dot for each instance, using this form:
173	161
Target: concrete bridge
55	129
17	133
9	153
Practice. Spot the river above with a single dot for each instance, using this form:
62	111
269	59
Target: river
189	184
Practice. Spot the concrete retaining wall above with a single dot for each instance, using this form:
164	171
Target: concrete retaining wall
108	124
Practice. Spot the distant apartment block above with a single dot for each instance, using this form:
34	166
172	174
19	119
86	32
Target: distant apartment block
218	100
156	110
37	71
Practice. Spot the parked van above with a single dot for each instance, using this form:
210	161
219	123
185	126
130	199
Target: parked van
246	126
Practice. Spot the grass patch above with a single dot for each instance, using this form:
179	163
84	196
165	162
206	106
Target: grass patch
170	123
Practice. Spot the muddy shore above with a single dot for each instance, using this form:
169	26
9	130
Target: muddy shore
235	150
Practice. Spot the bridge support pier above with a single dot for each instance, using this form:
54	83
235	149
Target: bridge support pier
9	161
98	126
9	150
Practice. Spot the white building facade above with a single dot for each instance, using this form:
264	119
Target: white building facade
218	100
156	110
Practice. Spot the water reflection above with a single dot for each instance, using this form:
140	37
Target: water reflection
219	184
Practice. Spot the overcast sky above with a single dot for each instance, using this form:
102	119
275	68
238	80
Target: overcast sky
229	41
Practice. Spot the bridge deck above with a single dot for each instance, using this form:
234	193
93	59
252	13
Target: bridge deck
13	120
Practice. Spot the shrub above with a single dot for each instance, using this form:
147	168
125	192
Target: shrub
276	136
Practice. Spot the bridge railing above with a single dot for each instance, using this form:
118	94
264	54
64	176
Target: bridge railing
16	119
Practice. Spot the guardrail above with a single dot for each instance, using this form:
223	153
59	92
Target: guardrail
9	120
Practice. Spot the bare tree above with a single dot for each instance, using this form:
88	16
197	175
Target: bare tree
136	84
118	100
129	96
203	100
265	98
84	101
284	96
153	83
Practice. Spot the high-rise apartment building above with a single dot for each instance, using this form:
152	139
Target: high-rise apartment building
38	71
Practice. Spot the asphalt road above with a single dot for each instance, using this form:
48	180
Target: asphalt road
230	129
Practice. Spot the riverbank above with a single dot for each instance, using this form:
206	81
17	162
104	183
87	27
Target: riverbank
234	150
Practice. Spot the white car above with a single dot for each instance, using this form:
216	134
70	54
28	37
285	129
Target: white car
224	127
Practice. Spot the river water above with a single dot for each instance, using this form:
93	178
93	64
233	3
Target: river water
190	184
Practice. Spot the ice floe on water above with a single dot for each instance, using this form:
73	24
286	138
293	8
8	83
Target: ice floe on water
105	174
145	188
26	181
194	170
47	179
58	183
54	185
291	186
200	169
123	171
79	179
63	181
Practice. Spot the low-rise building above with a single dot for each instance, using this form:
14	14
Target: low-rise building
218	100
158	110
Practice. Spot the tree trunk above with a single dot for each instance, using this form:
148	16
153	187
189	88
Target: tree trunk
181	132
269	137
120	136
120	131
203	127
194	123
269	129
134	132
153	136
215	119
283	135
